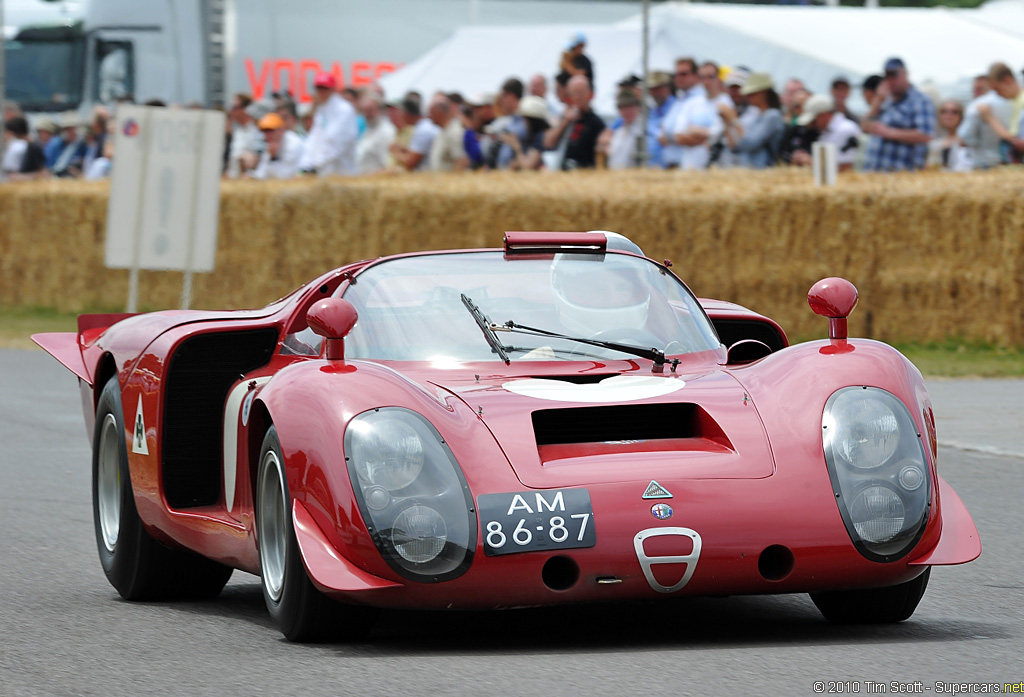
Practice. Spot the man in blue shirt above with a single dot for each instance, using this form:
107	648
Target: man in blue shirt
659	85
901	122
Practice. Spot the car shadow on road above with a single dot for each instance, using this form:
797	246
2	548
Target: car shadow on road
688	623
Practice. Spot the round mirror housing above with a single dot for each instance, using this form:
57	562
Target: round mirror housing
333	319
834	298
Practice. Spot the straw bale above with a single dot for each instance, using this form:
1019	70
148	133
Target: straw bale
933	255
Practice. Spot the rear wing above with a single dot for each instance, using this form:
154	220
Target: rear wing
69	347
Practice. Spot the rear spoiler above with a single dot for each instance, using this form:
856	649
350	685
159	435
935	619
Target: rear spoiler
68	347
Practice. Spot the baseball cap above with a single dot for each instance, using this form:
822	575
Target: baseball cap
894	64
325	80
737	77
629	81
815	105
271	122
577	39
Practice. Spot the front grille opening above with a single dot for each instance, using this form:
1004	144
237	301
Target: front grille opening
620	423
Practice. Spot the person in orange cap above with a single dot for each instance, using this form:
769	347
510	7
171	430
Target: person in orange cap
280	159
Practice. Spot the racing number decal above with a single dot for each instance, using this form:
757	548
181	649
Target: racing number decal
647	562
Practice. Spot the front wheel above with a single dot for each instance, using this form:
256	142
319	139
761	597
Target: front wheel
301	612
873	605
137	566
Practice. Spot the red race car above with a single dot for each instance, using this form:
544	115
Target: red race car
558	421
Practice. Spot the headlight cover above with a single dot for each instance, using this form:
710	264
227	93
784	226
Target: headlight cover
412	494
879	471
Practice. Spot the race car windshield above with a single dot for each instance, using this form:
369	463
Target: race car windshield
412	308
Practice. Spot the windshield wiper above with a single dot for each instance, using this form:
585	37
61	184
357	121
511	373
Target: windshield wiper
486	327
653	354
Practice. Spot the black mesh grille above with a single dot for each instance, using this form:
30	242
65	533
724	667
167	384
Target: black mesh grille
732	330
616	423
199	376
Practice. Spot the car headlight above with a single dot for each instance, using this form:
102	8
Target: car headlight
879	472
412	494
389	453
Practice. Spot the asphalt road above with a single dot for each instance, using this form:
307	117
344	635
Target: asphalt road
64	631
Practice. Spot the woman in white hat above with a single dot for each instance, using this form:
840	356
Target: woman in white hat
757	146
534	111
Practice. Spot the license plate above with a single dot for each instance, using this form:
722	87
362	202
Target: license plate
531	521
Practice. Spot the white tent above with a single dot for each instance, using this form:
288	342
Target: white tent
942	47
479	59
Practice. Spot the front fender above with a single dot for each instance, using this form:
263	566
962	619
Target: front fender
790	388
311	403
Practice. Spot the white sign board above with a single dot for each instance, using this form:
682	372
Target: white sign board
165	190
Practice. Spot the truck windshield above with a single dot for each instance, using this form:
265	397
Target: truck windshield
45	75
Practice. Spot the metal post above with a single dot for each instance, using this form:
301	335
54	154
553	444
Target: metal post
186	288
3	79
133	276
641	149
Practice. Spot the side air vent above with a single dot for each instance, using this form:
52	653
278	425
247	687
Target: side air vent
200	373
732	330
616	423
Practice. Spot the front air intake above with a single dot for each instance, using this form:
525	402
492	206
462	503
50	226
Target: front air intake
635	422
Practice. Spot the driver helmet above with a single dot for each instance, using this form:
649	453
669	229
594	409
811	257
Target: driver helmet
597	292
620	242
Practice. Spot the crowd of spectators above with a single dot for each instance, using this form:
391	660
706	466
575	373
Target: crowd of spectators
700	115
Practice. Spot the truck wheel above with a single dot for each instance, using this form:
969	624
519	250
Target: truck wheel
299	609
873	605
137	566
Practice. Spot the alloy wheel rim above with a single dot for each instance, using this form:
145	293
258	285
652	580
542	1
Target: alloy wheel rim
272	526
108	483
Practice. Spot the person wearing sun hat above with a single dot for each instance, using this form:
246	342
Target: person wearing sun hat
757	144
827	124
659	87
528	151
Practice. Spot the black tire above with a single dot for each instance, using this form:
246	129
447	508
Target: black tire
873	605
298	608
137	566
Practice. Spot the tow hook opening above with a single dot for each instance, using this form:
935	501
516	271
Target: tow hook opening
560	573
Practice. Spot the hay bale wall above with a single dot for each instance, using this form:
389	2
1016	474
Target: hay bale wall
934	255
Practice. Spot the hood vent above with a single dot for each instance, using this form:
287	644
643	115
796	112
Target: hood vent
635	422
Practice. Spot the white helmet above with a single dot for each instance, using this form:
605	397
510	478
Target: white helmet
596	292
620	242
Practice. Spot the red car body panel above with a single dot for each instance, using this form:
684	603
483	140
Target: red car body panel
751	481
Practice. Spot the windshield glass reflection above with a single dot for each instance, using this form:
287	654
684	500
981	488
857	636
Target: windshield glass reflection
411	308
